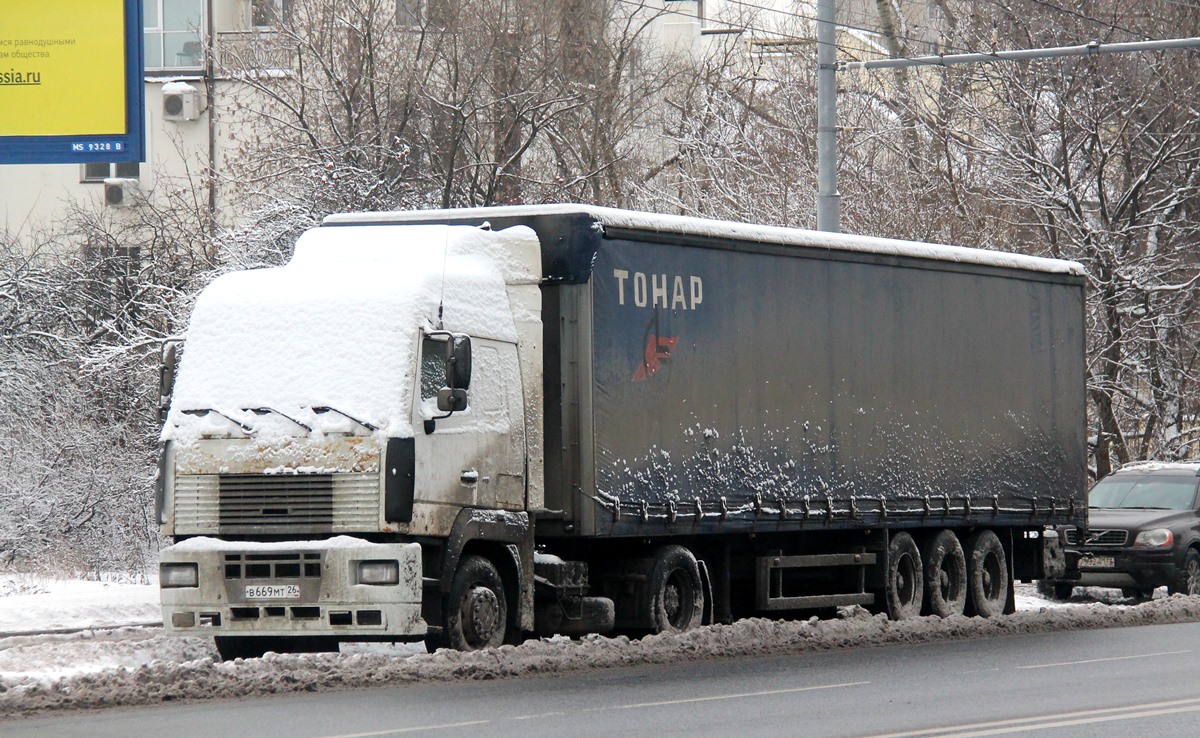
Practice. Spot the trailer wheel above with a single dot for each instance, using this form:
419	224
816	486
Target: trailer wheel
476	614
987	574
676	596
945	575
905	587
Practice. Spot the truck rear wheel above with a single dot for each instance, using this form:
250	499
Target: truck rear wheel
476	614
945	575
987	574
676	598
905	583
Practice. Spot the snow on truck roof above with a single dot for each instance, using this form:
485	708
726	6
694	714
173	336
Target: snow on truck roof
688	225
316	332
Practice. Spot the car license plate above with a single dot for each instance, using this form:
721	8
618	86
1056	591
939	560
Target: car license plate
272	591
1097	562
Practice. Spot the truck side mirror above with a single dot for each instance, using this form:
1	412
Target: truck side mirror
452	400
166	375
458	368
446	361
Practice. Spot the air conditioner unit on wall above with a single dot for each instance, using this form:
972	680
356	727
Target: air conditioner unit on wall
181	101
121	193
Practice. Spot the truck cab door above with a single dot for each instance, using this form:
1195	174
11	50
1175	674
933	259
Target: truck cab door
473	457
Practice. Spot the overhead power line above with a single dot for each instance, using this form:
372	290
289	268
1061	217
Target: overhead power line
1088	49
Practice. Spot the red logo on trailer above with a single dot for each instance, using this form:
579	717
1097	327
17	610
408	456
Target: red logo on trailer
658	350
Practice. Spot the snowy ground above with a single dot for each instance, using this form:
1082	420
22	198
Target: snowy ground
117	658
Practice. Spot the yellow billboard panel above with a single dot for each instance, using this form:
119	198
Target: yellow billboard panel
62	67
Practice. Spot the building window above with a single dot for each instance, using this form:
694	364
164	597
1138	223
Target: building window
410	12
270	13
98	171
173	34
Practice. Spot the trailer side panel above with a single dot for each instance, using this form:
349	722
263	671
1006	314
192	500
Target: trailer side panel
741	386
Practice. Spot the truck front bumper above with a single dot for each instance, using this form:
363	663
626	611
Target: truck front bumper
343	587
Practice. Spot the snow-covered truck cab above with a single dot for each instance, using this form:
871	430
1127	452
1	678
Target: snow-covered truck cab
334	422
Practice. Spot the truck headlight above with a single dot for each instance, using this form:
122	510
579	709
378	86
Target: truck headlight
178	575
1157	538
379	572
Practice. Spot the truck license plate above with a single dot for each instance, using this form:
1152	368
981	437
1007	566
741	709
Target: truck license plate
1097	562
272	591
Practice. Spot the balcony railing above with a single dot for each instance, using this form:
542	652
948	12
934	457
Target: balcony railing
241	51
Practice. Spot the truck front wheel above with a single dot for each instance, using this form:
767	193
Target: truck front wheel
476	614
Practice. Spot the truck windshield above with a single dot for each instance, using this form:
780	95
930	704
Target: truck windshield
1165	493
274	357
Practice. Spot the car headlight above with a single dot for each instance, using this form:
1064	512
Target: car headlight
379	572
178	575
1157	538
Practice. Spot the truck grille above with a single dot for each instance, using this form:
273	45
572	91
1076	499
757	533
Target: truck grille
276	503
255	499
1097	538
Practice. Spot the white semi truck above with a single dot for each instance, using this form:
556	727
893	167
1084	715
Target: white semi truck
473	426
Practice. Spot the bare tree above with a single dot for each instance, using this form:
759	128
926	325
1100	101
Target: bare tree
83	310
1094	159
464	104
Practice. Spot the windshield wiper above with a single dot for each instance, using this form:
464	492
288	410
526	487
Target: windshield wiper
270	410
201	412
326	409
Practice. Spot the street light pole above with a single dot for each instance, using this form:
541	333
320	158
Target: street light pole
828	198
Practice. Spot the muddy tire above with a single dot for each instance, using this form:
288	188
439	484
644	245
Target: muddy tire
475	615
987	575
905	578
675	592
945	575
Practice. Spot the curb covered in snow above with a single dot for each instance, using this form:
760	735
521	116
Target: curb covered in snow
176	680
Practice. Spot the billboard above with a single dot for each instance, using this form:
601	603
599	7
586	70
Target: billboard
71	81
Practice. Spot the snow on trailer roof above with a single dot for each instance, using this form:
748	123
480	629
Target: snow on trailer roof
689	225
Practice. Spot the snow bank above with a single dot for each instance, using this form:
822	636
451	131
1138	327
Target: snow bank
29	603
150	668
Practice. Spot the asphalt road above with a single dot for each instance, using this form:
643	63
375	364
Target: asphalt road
1082	683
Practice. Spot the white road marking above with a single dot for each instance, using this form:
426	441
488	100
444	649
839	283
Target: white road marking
738	696
414	729
713	698
1110	658
1059	720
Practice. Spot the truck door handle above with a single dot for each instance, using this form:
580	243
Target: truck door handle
469	476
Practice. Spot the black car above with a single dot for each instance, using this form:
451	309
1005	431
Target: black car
1143	532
